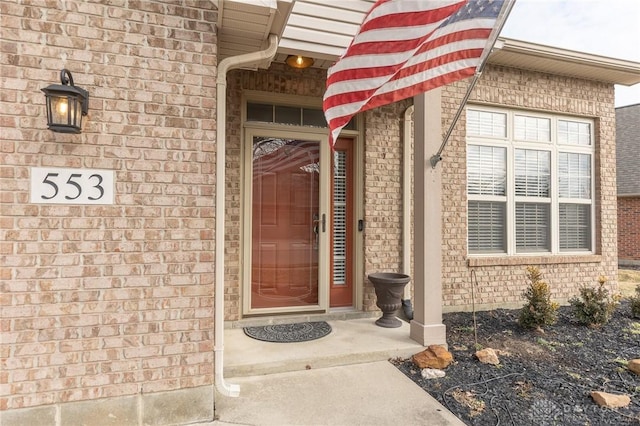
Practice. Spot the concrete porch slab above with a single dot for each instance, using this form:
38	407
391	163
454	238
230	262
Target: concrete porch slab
350	342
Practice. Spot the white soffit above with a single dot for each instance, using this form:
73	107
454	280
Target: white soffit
244	25
552	60
322	28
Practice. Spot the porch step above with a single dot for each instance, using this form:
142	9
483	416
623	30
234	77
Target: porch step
351	341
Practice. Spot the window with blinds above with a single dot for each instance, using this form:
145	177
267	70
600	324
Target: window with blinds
574	175
575	227
486	227
574	187
532	128
340	218
532	173
486	123
486	170
486	176
532	227
529	183
574	133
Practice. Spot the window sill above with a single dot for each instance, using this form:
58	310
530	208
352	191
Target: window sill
533	260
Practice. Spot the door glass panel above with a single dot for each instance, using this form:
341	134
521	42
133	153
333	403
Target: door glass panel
285	222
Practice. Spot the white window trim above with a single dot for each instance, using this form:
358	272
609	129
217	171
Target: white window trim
555	148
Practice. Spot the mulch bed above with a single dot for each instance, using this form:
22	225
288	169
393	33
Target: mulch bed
545	379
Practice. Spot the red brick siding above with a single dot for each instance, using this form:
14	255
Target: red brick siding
629	228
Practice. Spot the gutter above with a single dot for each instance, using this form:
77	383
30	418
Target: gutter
227	64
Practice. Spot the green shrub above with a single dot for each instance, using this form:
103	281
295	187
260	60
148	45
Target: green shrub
595	306
635	303
539	309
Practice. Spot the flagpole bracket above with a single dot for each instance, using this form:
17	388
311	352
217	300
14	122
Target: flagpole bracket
435	159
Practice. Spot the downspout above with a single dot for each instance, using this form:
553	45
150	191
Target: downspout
407	139
225	66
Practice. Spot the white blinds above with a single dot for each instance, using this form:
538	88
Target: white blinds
487	170
530	182
532	128
485	123
486	227
532	173
340	219
574	133
574	175
532	227
575	227
486	176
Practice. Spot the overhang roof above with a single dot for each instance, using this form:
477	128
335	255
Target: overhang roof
628	150
322	29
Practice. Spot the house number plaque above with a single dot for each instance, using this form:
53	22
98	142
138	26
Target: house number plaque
71	186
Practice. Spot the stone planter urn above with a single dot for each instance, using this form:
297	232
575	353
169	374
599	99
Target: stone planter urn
389	288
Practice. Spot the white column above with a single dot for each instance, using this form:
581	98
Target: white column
426	326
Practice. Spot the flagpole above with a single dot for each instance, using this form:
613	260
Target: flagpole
502	18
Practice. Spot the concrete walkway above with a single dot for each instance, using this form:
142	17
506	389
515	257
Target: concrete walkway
374	393
342	379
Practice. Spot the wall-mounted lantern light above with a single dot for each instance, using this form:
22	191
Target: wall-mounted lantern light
66	104
300	62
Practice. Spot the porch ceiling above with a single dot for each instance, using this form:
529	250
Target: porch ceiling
322	29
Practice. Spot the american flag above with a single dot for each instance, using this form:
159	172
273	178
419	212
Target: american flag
406	47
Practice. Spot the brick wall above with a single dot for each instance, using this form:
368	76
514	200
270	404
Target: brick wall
383	193
501	283
107	301
629	228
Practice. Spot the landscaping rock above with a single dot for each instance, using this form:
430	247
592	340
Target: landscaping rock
431	373
534	385
488	356
435	356
610	400
634	366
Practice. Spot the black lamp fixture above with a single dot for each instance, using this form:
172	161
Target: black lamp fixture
298	61
66	104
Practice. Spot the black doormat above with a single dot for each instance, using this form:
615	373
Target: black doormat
289	333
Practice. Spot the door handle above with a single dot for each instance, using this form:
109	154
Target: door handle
317	222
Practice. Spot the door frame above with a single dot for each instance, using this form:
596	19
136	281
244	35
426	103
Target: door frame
247	195
250	129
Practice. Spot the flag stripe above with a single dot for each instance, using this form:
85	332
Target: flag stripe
437	48
401	88
413	18
365	87
423	86
405	47
366	91
385	13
